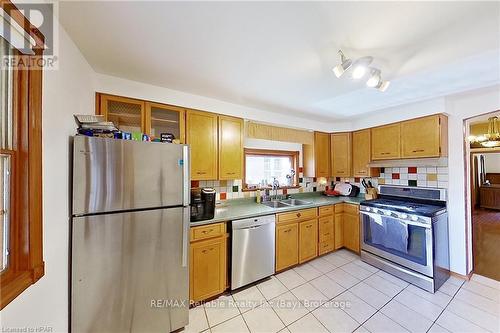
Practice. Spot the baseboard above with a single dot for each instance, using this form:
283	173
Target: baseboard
460	276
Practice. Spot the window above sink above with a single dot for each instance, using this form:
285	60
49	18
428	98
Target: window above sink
262	166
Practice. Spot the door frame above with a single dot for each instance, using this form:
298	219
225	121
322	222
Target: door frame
467	156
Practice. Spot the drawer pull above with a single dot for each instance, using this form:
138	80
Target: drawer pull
325	245
299	215
417	150
308	226
206	251
288	230
207	231
200	172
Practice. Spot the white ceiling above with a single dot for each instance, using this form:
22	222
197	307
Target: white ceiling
278	56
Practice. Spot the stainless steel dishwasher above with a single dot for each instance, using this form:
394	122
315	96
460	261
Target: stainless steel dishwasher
253	247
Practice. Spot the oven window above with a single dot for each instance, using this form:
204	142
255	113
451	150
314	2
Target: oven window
388	234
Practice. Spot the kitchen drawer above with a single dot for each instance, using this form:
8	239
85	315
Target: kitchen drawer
339	208
326	210
298	215
351	209
326	246
208	231
326	228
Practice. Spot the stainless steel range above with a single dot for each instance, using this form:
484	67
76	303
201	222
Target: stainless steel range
405	233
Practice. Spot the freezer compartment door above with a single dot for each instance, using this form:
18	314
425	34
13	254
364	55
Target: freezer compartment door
113	175
129	272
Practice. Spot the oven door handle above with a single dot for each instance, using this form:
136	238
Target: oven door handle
417	224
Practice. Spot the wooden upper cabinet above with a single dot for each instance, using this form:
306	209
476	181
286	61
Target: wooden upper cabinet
163	118
201	135
361	154
424	137
230	147
341	150
127	114
322	154
386	142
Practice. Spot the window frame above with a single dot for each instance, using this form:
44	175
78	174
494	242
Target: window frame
294	155
26	265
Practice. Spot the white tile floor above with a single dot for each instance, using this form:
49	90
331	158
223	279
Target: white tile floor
340	293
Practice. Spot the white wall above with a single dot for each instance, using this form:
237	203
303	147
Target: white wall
275	145
118	86
66	91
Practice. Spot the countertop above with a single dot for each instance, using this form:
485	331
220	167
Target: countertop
244	208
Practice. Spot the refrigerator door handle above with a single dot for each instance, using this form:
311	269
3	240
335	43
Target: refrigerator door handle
186	186
185	235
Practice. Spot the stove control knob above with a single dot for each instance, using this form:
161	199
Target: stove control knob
367	209
403	216
374	210
388	213
414	218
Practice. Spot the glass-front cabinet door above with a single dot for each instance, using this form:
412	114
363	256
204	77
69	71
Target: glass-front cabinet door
163	119
126	113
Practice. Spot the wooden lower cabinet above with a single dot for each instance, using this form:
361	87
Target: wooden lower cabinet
287	245
308	240
351	228
326	230
207	264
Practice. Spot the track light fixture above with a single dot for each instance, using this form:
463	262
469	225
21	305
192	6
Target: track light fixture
360	68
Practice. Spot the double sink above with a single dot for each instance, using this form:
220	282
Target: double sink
286	203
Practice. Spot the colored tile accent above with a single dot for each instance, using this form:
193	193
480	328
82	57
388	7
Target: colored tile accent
382	170
301	180
395	176
195	183
356	179
337	179
235	189
223	183
381	181
314	189
432	177
301	169
285	191
412	169
301	189
412	182
223	196
314	179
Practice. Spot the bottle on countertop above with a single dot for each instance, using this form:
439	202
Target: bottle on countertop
258	197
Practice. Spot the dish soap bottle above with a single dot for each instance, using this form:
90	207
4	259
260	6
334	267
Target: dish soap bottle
258	198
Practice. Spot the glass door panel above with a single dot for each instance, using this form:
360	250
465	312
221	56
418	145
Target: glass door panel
166	119
126	114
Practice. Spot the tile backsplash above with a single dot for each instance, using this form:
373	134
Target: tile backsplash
408	176
415	176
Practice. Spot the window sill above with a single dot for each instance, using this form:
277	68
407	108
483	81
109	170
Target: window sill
269	188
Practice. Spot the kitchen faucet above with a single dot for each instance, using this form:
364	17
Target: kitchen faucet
276	185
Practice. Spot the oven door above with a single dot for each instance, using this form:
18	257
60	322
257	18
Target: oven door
406	243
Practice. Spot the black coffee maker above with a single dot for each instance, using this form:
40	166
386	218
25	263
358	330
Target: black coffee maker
202	204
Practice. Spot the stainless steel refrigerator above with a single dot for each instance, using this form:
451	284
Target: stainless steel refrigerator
130	227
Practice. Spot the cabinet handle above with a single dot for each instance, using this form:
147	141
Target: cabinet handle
288	230
231	173
417	150
299	215
200	172
308	226
326	234
325	245
207	231
210	249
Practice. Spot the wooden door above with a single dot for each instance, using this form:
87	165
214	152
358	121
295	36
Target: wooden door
207	268
386	142
351	231
201	135
339	230
361	154
163	118
322	154
308	240
341	154
421	137
230	147
287	246
127	114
